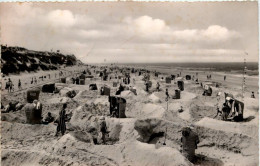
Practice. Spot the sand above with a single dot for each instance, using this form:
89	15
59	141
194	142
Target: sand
138	139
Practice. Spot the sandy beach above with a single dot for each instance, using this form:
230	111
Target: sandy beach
221	142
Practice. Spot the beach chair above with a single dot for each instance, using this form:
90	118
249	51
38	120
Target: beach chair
33	95
168	80
180	85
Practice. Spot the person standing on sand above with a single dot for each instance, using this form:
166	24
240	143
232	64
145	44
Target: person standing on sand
158	86
103	129
189	141
35	80
61	121
224	78
19	84
147	86
10	85
167	94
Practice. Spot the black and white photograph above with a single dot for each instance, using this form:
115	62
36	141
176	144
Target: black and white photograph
129	83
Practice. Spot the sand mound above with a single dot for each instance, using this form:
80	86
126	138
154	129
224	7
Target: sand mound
142	154
229	127
18	117
227	136
149	128
67	92
127	94
59	100
81	118
153	110
154	99
187	96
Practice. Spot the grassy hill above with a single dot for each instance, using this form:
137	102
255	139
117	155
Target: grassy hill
17	59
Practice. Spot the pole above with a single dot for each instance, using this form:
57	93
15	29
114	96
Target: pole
167	105
244	79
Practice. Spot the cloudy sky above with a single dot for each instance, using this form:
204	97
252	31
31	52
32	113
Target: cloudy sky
98	32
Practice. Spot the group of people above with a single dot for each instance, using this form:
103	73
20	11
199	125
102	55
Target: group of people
10	86
34	80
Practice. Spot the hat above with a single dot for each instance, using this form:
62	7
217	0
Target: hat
102	118
228	98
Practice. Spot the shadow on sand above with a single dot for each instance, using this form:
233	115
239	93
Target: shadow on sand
207	161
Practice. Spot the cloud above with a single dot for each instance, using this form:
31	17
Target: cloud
150	29
124	38
61	18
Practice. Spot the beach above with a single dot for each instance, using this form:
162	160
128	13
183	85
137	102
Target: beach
136	139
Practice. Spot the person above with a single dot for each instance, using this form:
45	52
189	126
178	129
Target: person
61	121
103	129
147	86
114	114
181	109
225	78
12	106
158	86
102	90
48	119
9	85
37	111
35	80
167	94
253	95
77	80
19	84
189	141
218	112
225	111
128	80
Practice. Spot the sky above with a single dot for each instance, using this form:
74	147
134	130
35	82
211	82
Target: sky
135	32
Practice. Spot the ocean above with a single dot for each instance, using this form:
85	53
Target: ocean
233	67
